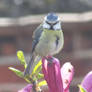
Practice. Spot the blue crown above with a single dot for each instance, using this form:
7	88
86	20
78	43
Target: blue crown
52	17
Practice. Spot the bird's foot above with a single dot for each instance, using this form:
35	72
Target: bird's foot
49	59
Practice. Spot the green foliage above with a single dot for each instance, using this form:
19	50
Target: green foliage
42	83
17	72
35	76
21	57
37	68
40	76
81	88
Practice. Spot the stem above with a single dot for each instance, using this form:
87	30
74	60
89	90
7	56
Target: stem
34	86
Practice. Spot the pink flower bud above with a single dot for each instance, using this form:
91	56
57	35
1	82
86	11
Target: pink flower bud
67	72
87	82
52	74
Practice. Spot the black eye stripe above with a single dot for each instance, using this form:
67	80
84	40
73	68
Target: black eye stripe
52	23
48	22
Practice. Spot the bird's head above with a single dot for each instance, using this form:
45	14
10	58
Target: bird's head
52	22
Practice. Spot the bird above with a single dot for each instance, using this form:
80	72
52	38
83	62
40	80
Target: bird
48	40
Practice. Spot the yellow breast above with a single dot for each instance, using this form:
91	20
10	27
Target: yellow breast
47	42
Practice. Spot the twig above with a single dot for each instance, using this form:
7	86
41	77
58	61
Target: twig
35	86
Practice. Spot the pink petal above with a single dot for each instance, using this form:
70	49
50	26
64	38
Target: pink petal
87	82
28	88
66	90
67	72
52	74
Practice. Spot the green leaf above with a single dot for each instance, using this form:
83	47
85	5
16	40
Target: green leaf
21	57
39	76
36	67
27	80
81	88
17	72
38	70
42	83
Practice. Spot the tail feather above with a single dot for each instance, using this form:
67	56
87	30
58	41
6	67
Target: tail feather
28	70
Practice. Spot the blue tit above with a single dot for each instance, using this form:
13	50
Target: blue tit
48	40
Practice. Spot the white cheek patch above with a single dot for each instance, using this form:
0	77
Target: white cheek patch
57	26
45	25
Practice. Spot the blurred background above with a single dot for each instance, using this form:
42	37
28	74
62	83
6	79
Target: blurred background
18	20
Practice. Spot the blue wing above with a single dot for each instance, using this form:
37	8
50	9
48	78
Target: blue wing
36	37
